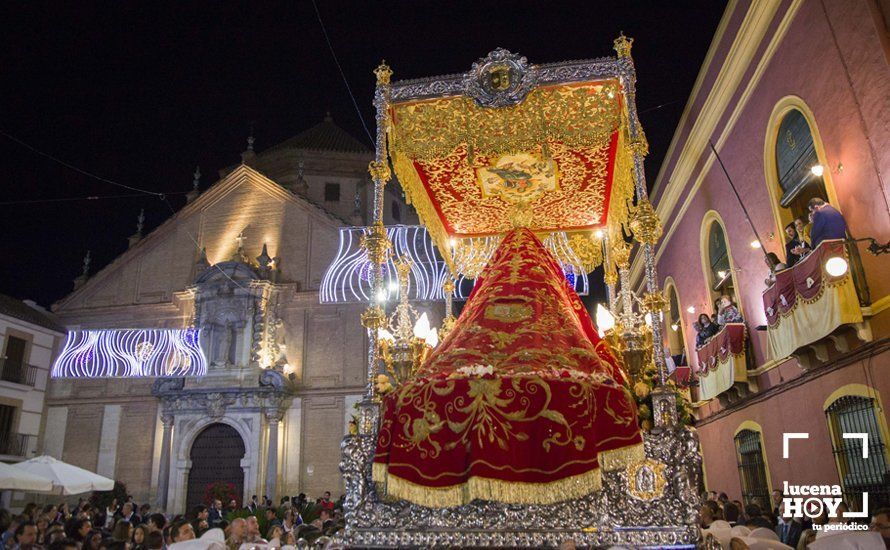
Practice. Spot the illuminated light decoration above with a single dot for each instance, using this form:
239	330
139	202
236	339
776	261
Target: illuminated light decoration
347	278
836	266
756	244
817	170
131	353
691	309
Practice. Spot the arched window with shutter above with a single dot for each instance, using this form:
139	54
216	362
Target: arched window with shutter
856	414
753	474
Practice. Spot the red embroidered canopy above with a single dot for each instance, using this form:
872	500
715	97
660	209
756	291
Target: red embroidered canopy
521	403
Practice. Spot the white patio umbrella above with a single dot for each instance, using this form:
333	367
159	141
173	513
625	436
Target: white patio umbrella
67	479
13	479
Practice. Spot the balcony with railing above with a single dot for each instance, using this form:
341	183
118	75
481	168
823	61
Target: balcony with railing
814	306
13	444
18	372
723	365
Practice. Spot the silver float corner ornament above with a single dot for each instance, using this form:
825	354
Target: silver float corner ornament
500	79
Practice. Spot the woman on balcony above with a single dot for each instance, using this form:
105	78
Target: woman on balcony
707	331
774	264
728	312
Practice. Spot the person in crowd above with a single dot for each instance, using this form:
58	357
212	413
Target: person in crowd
235	533
42	524
728	313
63	544
796	247
253	505
275	532
123	531
30	511
215	515
154	541
789	530
93	540
272	517
106	519
323	518
775	265
181	531
776	501
128	512
25	535
290	539
803	231
828	223
880	522
144	511
252	534
200	512
731	513
138	538
291	520
54	533
78	528
326	501
200	526
708	330
156	522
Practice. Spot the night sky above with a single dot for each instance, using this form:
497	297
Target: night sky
141	93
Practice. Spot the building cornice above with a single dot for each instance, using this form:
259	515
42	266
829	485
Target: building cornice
748	40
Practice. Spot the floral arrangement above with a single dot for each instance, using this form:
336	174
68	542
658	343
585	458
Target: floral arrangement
220	490
642	388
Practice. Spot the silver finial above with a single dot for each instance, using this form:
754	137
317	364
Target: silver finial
86	264
197	180
140	221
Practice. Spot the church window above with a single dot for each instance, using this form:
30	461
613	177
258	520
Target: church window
795	157
7	438
856	414
752	467
332	192
719	267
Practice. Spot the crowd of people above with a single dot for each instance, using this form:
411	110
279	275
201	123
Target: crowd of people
708	326
825	223
128	526
726	519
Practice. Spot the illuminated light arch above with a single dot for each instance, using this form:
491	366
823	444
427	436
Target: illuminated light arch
131	353
345	279
781	216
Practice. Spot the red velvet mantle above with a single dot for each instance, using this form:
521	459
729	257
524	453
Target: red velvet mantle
520	403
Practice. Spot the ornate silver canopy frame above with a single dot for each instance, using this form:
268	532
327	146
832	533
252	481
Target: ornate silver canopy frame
651	503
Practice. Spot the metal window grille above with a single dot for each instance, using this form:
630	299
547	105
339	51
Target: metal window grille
752	470
855	414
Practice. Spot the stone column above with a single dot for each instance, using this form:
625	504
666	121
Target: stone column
273	417
164	467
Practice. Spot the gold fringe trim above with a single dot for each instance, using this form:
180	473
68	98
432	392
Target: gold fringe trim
622	188
618	459
416	195
511	492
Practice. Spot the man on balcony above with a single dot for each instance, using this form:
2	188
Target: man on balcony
828	223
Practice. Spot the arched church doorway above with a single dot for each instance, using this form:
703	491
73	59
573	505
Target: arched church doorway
215	456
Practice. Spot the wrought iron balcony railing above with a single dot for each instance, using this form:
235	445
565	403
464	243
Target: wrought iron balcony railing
12	444
17	372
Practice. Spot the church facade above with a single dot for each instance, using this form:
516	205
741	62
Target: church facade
242	262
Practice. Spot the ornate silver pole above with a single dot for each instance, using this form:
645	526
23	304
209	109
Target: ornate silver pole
645	224
378	247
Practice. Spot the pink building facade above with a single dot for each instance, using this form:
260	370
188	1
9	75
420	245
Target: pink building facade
785	86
